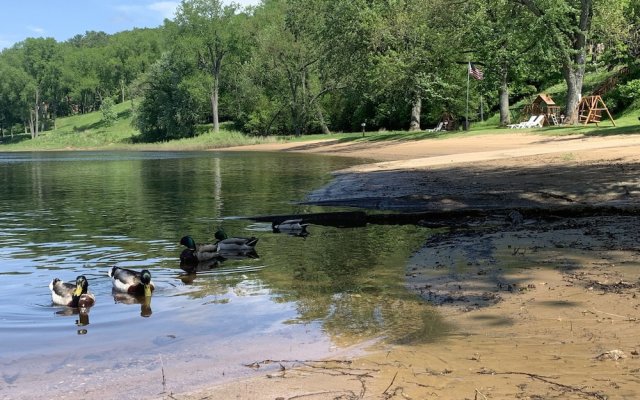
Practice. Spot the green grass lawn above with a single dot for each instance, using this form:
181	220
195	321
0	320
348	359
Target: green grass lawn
88	132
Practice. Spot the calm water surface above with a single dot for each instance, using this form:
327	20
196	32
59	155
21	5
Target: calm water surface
65	214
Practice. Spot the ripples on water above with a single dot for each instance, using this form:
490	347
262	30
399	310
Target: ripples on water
66	214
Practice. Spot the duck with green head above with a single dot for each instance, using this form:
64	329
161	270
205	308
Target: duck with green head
73	295
132	282
195	253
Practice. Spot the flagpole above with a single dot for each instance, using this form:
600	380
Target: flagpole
466	119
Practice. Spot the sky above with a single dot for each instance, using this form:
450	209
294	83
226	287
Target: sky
63	19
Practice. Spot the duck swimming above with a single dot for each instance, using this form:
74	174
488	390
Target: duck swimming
195	253
289	225
234	244
132	282
295	227
68	294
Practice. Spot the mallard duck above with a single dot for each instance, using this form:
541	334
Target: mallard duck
68	294
290	225
195	253
234	244
132	282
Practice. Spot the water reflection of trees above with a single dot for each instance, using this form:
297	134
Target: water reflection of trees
352	281
155	197
117	210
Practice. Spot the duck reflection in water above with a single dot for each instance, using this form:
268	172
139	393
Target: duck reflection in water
126	298
192	268
83	317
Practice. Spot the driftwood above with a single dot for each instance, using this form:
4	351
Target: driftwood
549	380
338	219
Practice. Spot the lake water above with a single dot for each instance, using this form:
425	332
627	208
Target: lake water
70	213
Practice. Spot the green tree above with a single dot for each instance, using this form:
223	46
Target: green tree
130	54
507	47
82	77
285	65
616	31
568	23
109	115
395	55
207	29
42	62
15	87
167	109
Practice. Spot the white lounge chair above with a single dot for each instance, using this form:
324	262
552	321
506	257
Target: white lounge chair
537	122
437	128
519	124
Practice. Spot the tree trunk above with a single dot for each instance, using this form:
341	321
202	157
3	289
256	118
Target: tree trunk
416	108
573	66
303	86
505	115
296	119
323	124
574	76
214	103
44	112
295	106
215	91
122	90
314	103
34	124
31	123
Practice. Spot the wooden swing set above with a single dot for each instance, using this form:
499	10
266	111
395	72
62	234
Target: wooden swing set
590	110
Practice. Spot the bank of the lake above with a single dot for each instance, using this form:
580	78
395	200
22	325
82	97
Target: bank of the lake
87	132
541	306
64	214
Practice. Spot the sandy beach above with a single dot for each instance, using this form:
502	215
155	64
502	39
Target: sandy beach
542	305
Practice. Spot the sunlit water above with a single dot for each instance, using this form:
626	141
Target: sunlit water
65	214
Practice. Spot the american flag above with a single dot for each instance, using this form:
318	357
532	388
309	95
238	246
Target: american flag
475	72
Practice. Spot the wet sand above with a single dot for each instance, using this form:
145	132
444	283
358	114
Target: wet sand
541	306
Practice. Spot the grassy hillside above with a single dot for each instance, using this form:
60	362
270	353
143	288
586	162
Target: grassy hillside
88	132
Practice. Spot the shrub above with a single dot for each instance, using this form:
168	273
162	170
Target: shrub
109	115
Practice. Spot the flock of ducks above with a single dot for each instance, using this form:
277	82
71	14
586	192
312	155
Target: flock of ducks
138	283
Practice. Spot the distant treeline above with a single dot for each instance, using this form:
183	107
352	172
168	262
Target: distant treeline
310	66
